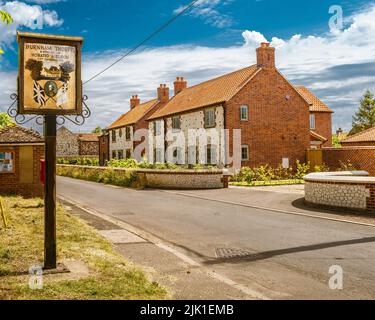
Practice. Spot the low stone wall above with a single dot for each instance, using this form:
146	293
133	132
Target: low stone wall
161	179
362	158
348	190
184	179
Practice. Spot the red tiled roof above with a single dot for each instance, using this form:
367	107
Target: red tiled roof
88	137
316	105
318	136
18	134
215	91
364	136
134	115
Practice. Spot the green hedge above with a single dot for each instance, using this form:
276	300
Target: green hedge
80	161
122	178
133	164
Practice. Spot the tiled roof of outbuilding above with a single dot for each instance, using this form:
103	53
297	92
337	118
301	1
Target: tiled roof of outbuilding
364	136
18	134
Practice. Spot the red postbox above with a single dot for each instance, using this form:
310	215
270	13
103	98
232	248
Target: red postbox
43	171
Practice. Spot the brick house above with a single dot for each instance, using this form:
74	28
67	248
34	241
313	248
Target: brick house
275	118
122	139
70	144
362	139
21	150
320	119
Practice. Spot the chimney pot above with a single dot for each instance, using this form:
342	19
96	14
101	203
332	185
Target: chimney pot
163	93
134	101
266	56
179	85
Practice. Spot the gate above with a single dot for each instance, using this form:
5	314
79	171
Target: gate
315	158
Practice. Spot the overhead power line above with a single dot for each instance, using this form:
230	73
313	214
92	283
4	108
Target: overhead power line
152	35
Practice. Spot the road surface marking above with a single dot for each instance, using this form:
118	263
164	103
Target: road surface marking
270	209
154	240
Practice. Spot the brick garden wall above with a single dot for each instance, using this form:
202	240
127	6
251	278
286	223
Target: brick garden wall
362	158
89	148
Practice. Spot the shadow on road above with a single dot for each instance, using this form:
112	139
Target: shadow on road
300	204
280	252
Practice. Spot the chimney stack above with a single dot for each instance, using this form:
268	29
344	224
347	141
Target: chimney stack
179	85
134	101
163	93
266	56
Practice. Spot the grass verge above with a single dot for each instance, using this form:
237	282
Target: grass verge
108	275
267	183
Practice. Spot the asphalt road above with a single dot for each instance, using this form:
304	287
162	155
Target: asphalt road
281	255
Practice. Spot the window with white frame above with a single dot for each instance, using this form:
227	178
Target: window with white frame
312	121
244	152
7	162
244	113
157	127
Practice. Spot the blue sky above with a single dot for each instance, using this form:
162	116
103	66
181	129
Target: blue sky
217	36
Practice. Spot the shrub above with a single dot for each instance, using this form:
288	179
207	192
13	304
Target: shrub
123	163
347	166
321	168
268	174
79	161
302	170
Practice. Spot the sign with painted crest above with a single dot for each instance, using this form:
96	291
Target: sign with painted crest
49	74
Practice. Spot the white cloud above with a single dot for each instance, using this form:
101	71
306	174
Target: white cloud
25	15
337	67
209	11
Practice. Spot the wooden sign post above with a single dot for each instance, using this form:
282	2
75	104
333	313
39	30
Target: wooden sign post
49	84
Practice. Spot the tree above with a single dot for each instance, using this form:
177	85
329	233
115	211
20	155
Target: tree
98	130
5	18
5	120
365	117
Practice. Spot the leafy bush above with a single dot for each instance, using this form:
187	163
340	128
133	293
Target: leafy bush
123	163
347	166
268	174
82	161
302	170
321	168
